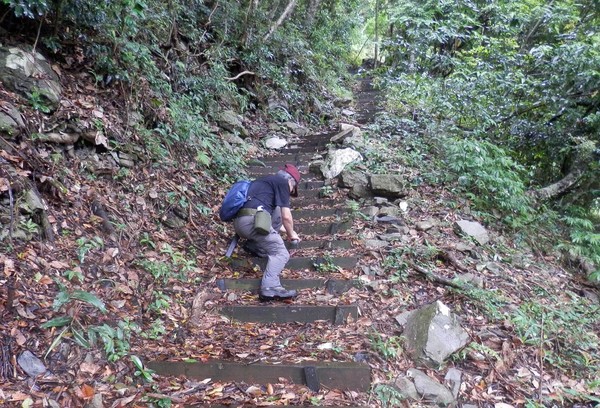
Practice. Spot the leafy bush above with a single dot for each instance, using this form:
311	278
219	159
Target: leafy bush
492	179
566	328
585	238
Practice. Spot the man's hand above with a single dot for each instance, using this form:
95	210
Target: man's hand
294	236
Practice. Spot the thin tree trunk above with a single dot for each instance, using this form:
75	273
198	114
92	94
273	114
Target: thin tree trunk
287	12
376	33
582	160
312	12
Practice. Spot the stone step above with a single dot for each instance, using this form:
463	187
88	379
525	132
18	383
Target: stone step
310	185
331	375
305	148
278	312
332	286
320	244
299	263
281	159
273	168
309	228
325	212
300	202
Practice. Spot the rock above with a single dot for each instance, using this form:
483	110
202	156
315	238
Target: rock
231	121
348	131
351	178
407	388
375	244
233	139
403	317
424	225
396	236
453	380
25	73
386	219
388	185
347	112
315	167
340	102
297	129
32	365
433	333
390	210
472	229
371	211
380	200
11	120
591	296
33	202
360	191
338	160
275	142
96	402
431	389
470	278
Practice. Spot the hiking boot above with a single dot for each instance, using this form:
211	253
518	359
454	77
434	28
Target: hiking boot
277	292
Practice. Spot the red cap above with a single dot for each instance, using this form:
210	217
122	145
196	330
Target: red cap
293	171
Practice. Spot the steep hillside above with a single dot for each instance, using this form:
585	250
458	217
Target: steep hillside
112	258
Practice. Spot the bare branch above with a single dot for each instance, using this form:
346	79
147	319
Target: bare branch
288	10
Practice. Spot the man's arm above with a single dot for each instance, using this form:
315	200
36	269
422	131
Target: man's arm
288	224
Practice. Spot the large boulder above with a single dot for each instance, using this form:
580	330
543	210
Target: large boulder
297	129
472	229
275	142
389	185
337	160
231	121
11	120
432	333
28	73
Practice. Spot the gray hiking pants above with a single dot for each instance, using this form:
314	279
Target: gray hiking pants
270	246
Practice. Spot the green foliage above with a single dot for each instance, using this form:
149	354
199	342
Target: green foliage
86	245
38	101
64	297
388	347
491	178
585	238
28	8
395	266
326	265
160	302
141	370
516	74
388	395
115	340
574	348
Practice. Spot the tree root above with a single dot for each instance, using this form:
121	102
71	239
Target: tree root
98	210
435	278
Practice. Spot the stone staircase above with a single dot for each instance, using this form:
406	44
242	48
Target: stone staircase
324	263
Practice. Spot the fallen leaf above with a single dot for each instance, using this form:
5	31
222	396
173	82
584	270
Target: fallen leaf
46	280
254	391
89	368
19	337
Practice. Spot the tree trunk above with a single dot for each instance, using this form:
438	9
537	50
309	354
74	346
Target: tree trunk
582	165
313	7
287	12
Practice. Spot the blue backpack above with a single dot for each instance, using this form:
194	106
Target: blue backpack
234	200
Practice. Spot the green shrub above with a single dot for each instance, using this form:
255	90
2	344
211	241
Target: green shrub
585	238
490	177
